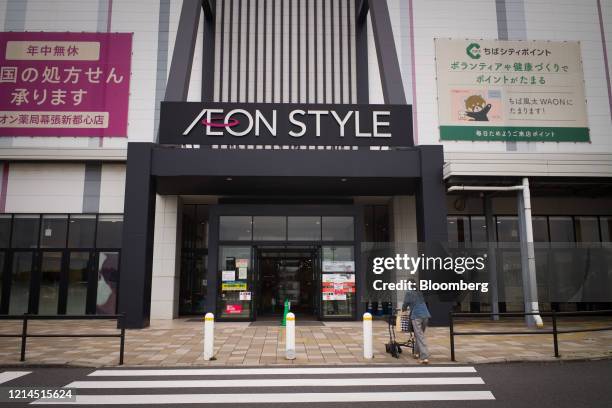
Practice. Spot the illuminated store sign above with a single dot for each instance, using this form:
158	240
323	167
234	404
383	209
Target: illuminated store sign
285	124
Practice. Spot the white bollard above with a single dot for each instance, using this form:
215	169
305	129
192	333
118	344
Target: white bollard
209	336
367	336
290	337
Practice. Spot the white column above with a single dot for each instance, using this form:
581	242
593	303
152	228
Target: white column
166	258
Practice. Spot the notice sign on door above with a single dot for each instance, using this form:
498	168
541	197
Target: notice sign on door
338	266
233	286
64	84
228	276
233	309
336	286
494	90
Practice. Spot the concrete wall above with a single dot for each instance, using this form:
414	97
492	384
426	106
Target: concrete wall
165	284
48	187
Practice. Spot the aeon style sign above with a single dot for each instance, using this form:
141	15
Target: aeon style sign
285	124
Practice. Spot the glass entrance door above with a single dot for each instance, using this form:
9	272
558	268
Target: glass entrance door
287	274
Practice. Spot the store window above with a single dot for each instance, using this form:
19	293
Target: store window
234	277
507	229
107	284
5	230
478	228
21	276
338	229
587	229
304	228
269	228
194	282
2	265
109	231
25	231
235	228
82	231
50	271
458	228
540	229
376	223
561	229
48	265
201	227
78	276
194	259
606	229
53	231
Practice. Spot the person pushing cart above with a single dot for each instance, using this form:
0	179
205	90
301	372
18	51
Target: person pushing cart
419	316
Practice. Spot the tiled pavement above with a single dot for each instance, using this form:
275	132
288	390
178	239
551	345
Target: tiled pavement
180	343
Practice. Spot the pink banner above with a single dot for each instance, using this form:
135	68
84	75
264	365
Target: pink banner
64	84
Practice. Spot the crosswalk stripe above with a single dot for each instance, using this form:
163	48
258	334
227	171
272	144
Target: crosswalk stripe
7	376
156	399
291	382
282	371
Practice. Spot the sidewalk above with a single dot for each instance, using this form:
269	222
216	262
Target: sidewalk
179	343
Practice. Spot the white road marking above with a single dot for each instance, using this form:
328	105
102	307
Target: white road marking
283	371
157	399
291	382
7	376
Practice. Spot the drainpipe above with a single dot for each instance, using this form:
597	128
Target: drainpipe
530	287
492	255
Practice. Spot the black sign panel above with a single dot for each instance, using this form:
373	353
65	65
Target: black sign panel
285	124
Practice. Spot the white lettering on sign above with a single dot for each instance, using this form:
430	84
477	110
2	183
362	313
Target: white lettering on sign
297	123
260	118
378	123
317	114
215	120
249	119
342	122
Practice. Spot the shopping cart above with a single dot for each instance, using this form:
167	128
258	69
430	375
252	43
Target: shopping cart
394	347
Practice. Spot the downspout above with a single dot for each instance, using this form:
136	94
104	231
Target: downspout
530	287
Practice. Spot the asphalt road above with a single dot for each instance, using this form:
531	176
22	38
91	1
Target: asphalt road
513	385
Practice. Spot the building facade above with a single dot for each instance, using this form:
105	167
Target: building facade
165	223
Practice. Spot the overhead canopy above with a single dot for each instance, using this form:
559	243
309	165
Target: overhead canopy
280	172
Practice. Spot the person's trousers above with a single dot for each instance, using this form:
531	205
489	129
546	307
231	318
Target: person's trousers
420	346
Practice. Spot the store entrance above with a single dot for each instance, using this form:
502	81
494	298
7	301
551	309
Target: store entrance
287	274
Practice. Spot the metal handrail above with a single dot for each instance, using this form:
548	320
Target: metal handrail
555	331
26	317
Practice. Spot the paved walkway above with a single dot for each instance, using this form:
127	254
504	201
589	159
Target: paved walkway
180	343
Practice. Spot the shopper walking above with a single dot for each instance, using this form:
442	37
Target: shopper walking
419	316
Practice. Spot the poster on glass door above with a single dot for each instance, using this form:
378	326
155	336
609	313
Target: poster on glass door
339	266
336	286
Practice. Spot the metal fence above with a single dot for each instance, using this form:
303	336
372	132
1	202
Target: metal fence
554	331
27	317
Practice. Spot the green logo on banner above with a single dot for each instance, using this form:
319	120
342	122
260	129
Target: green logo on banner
473	51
